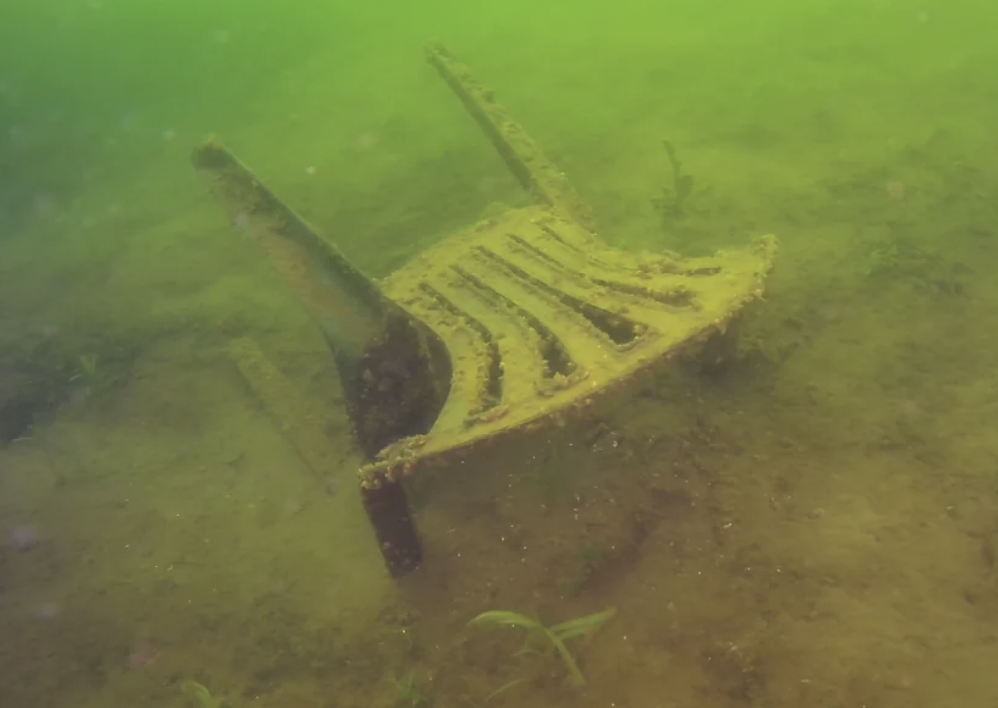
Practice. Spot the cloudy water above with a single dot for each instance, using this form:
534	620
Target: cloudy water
671	382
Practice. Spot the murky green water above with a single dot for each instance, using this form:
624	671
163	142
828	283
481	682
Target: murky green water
814	524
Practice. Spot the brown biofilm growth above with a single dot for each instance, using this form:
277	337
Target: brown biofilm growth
571	244
491	394
677	296
556	358
619	329
396	387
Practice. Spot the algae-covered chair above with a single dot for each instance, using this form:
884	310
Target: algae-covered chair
521	320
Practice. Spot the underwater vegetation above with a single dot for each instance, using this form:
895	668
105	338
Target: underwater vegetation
40	373
88	372
409	692
199	696
674	202
556	636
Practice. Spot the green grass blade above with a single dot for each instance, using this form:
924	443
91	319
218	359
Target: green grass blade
200	695
574	673
502	689
582	625
514	619
556	635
